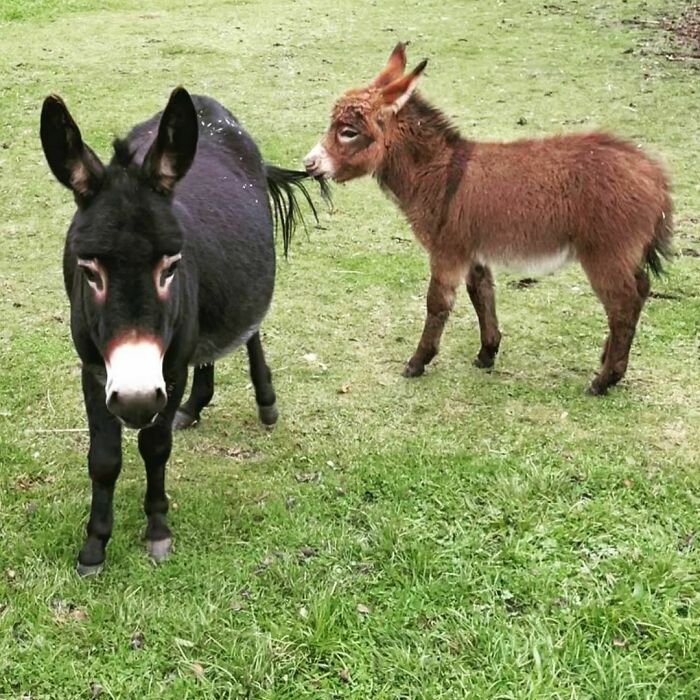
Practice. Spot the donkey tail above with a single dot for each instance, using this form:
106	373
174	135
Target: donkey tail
281	184
660	247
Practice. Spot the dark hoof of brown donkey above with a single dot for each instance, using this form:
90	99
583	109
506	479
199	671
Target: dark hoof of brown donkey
413	370
595	389
483	362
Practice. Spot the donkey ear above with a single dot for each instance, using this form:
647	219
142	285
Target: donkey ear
74	164
394	68
172	152
396	94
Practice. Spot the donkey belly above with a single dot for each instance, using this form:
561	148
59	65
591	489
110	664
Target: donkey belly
213	346
534	263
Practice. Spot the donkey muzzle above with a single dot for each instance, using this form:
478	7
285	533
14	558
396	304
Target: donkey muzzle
135	390
318	163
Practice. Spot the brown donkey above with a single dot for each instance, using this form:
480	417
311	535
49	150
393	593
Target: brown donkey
532	204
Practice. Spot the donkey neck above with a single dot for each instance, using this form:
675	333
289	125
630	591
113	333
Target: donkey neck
423	139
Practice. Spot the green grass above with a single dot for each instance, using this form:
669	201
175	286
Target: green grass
503	535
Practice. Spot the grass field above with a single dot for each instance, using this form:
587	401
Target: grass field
463	535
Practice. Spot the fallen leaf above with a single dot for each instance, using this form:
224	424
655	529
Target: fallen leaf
78	614
95	690
306	553
344	675
306	477
344	389
197	669
137	640
363	609
303	612
310	357
184	642
619	642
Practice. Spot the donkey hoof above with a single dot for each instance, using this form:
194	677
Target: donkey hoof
183	420
413	370
88	569
595	389
483	363
268	414
159	549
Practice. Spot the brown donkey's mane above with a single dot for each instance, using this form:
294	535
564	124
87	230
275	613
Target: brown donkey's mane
532	203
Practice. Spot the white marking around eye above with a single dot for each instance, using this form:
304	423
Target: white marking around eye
318	163
165	262
94	265
134	368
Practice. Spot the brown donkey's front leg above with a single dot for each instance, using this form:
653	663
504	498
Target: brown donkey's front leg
441	299
480	289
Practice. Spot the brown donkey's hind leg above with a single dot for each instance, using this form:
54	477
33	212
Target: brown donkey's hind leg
480	289
623	294
441	299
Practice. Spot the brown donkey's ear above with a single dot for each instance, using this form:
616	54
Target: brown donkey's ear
394	68
396	94
172	152
74	164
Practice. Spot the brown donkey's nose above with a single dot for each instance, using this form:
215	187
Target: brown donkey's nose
312	163
137	410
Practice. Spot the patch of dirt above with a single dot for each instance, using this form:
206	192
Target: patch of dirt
687	29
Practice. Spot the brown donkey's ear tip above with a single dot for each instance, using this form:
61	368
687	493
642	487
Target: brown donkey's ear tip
420	67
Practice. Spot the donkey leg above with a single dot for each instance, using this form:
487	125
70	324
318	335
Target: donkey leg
262	382
441	298
623	296
104	465
155	443
202	392
480	289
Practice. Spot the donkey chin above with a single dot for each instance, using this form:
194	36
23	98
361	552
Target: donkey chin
135	389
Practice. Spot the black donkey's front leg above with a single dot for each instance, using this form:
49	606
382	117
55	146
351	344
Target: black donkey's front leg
155	443
104	465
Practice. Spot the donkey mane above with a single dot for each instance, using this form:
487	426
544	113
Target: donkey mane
123	153
430	118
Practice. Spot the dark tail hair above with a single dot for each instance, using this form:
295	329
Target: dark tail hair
660	247
285	206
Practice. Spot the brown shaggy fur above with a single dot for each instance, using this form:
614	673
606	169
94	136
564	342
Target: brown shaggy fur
590	197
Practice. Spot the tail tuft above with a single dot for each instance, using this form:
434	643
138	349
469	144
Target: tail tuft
661	249
285	206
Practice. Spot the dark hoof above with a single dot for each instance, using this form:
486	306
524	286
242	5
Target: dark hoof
88	569
412	370
482	363
268	414
595	389
158	550
183	420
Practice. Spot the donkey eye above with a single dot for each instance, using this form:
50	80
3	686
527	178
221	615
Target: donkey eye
347	134
92	273
170	270
166	269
